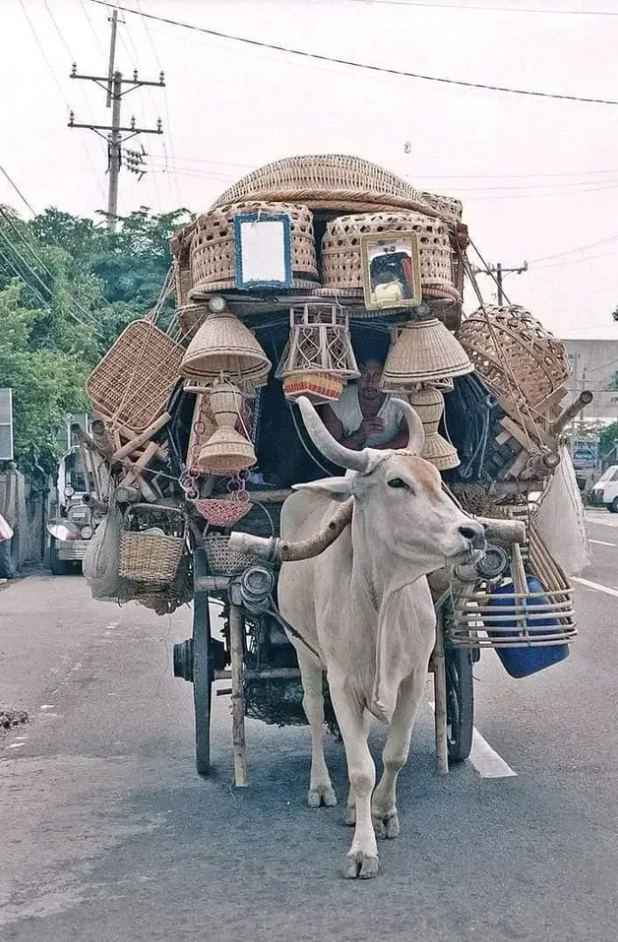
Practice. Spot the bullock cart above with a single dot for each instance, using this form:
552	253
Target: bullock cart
297	276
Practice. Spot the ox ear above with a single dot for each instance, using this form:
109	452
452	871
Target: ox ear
339	489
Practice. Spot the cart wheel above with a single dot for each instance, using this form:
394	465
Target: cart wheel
203	671
194	662
459	702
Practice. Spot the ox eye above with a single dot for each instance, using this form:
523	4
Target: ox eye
398	482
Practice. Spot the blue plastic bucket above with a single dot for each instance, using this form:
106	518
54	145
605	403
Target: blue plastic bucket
524	661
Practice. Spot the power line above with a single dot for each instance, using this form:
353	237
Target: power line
473	7
579	248
361	65
17	190
573	261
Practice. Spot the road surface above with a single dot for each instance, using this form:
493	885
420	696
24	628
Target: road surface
107	833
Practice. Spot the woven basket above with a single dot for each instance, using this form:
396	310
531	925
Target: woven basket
339	182
148	558
221	511
521	362
212	248
180	246
318	387
222	561
134	380
190	317
341	252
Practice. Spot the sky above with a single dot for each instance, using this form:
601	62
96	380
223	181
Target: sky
538	176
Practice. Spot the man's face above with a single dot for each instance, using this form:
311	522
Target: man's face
370	379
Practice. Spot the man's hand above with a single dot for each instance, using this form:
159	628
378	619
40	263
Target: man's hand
372	426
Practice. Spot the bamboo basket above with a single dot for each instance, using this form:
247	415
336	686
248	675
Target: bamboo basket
341	252
223	561
133	382
212	247
149	558
520	361
190	318
337	182
180	246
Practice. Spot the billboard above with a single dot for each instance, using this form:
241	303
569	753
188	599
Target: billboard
585	452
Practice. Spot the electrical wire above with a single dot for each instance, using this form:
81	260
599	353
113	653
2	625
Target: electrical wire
56	82
17	190
362	65
475	8
18	274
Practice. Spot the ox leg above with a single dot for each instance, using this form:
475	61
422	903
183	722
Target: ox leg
362	859
320	787
350	817
395	755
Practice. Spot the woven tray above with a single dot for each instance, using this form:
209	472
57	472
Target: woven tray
341	254
212	247
133	382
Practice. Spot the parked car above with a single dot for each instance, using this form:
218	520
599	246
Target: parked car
8	550
605	491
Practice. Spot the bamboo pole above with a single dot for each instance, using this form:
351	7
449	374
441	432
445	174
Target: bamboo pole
143	437
237	629
143	461
439	686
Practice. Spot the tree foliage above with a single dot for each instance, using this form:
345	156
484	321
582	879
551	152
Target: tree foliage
67	289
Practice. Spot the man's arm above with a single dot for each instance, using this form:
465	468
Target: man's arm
400	440
355	441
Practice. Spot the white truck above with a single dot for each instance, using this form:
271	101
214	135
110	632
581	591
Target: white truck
605	491
71	522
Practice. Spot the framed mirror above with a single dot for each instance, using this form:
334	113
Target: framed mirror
263	251
391	270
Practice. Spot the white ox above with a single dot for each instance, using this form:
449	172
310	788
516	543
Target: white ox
364	611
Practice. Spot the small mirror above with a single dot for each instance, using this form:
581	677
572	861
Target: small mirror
391	270
262	251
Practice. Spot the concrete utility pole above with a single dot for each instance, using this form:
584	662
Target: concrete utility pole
113	86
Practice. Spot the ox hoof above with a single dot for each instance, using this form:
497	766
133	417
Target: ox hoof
386	825
359	866
322	795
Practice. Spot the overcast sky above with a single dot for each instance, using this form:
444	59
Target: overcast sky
538	177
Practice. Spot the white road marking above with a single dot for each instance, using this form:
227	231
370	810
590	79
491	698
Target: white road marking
485	760
16	745
596	586
601	542
48	706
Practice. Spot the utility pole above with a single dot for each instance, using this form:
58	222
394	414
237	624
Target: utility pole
499	270
116	87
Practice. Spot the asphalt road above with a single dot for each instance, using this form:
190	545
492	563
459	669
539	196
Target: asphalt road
107	833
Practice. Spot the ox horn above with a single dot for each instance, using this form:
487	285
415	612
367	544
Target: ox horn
416	432
328	446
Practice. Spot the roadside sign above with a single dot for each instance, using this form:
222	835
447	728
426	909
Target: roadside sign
585	452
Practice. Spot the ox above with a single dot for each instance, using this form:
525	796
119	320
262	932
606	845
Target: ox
362	611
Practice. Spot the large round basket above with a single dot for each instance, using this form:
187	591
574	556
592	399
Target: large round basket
212	247
521	361
341	249
338	182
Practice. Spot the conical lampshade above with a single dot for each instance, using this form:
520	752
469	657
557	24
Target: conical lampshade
224	345
226	452
424	351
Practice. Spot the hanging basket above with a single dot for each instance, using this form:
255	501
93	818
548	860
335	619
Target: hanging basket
318	387
521	361
223	512
134	380
223	561
146	557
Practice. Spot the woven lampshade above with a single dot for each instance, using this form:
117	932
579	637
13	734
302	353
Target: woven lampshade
226	452
224	345
428	402
422	352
